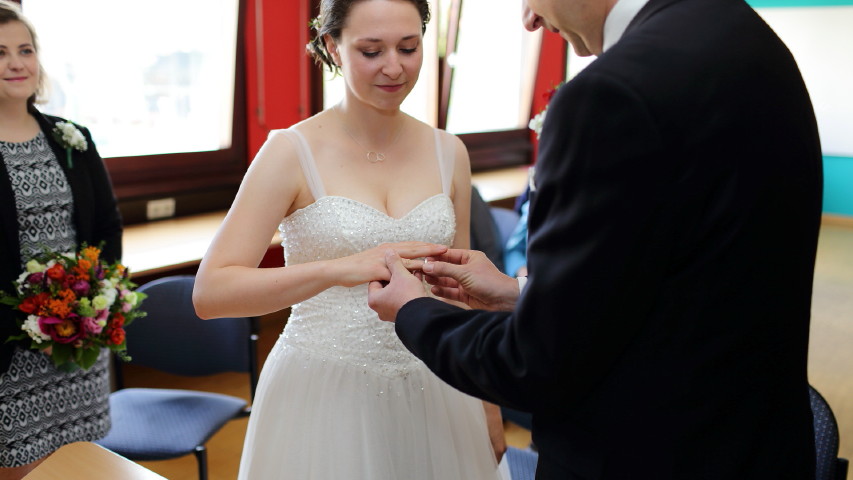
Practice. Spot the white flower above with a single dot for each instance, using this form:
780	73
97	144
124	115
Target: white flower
107	297
131	298
537	122
531	180
70	137
33	266
100	302
31	326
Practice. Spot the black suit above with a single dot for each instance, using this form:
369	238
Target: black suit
664	329
96	217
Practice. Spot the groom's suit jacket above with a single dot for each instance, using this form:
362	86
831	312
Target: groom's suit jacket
664	328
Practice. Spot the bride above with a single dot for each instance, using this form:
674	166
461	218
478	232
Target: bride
339	396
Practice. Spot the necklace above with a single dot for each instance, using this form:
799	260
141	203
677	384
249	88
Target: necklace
372	155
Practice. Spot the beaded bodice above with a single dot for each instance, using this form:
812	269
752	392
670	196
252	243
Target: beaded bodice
338	323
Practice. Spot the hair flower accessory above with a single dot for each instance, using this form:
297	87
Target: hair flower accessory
70	137
538	121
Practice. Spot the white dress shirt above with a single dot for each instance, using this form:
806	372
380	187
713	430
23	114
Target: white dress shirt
618	19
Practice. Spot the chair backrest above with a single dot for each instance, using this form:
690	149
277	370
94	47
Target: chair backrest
485	235
173	339
505	221
826	437
522	463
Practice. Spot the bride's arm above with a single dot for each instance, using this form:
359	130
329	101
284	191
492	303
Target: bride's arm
228	282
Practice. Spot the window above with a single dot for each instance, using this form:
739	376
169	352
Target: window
494	59
158	96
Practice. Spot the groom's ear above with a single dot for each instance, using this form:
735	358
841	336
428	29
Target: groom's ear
332	48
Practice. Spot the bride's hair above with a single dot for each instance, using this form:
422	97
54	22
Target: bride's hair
332	18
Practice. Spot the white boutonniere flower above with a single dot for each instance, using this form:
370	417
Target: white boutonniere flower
538	120
70	137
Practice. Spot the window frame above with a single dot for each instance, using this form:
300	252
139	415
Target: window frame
137	179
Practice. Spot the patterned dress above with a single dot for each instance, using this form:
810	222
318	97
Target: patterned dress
41	408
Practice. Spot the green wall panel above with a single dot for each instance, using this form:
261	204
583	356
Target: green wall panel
838	185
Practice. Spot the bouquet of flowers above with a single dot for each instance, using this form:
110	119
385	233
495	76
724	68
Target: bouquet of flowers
537	121
73	304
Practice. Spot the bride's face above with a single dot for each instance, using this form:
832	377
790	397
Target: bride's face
380	51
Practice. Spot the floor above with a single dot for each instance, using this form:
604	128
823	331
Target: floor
830	363
831	340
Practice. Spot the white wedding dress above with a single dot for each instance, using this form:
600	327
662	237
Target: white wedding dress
339	396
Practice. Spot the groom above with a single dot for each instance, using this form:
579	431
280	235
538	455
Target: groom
664	329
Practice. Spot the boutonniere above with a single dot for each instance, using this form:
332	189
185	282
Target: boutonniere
70	137
539	120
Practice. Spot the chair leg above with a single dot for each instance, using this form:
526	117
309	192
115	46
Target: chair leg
841	469
201	457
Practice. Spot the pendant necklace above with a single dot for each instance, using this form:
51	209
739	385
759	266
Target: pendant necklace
372	155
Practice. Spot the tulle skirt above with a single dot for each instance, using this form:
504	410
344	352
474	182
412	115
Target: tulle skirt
316	418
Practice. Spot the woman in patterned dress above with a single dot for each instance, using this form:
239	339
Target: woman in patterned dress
45	201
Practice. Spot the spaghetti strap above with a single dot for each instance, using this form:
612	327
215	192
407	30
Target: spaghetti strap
445	149
306	160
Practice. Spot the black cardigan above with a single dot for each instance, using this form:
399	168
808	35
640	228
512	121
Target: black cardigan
96	217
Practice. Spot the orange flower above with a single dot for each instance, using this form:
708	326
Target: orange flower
56	272
67	295
81	272
55	307
66	329
92	254
83	265
117	336
29	305
118	320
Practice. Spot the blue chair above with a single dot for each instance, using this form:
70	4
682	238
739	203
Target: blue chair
829	465
160	423
522	463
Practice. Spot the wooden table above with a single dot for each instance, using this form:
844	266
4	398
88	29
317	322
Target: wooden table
89	461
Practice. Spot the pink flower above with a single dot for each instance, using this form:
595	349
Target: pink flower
91	326
81	288
103	315
36	278
65	330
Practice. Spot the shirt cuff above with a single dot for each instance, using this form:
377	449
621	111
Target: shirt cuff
522	281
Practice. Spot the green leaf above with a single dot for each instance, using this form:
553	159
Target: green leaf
88	357
61	354
11	301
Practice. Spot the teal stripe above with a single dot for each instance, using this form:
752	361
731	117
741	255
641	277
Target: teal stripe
838	185
797	3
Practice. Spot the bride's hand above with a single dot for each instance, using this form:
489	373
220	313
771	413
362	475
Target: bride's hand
369	265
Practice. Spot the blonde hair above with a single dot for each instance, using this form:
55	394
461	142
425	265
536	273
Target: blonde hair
11	12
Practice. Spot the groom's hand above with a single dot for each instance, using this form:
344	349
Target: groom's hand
387	298
468	276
